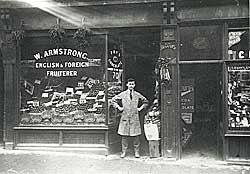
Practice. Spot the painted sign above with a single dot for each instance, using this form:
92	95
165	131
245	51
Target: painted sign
115	65
245	67
63	62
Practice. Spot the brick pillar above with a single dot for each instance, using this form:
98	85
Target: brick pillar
170	137
9	52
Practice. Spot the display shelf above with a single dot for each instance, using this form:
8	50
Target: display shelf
237	135
89	127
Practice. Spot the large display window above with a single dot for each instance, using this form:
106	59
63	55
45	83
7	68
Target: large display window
66	85
239	96
238	83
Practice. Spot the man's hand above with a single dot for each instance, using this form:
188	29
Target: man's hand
120	108
140	108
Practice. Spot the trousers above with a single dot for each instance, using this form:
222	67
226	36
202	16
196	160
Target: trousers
136	143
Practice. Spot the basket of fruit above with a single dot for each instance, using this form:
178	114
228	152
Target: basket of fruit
68	119
90	118
25	118
100	118
35	118
56	119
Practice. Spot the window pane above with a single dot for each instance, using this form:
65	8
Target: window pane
238	44
239	96
200	43
62	85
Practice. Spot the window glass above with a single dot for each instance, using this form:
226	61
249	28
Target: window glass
200	43
239	96
62	85
238	44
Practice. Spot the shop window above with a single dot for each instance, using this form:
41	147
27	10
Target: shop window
63	85
115	79
238	96
200	43
238	44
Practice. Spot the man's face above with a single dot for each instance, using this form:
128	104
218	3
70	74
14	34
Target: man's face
131	85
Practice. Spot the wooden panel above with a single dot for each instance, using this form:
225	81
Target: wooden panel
38	137
69	3
83	138
169	123
96	16
114	138
10	104
213	12
238	147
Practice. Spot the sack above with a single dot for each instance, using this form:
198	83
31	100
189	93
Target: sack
151	131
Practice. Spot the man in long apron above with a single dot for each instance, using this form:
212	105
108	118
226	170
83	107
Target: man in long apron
129	125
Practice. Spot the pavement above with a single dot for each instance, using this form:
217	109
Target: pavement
41	162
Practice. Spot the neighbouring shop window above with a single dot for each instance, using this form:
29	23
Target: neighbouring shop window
200	43
239	96
238	44
62	85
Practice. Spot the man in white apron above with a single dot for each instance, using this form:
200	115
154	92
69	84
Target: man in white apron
129	125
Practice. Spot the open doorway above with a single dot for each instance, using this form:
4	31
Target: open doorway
141	51
201	109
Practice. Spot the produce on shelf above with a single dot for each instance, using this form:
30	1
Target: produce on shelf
153	115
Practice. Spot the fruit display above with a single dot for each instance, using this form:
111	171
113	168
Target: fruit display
90	118
25	118
83	108
35	118
56	119
100	118
47	114
37	109
68	119
65	108
114	90
79	115
95	89
153	114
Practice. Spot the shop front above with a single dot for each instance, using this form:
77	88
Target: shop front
188	58
60	75
213	82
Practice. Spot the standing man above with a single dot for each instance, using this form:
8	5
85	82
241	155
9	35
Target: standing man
130	123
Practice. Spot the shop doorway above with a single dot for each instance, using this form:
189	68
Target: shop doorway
141	51
201	109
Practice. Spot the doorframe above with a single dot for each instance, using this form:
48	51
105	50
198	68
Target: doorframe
221	62
2	101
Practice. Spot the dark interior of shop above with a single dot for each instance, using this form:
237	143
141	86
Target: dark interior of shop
204	140
141	51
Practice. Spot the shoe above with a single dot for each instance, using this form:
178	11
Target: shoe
123	155
137	155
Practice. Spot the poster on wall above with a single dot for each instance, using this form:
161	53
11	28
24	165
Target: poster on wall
115	75
187	109
238	44
187	100
115	66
